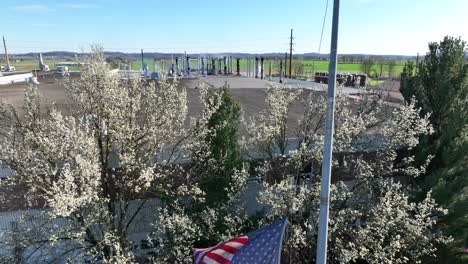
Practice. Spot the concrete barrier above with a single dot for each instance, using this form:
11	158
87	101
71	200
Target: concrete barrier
16	78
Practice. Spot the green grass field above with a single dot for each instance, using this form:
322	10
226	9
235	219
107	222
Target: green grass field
310	66
347	67
29	65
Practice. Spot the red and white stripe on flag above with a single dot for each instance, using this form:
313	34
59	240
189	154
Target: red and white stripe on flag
221	253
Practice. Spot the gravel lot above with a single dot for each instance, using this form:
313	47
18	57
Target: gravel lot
249	92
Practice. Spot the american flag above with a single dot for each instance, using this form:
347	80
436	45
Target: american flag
262	246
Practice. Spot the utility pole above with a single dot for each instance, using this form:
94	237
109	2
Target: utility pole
290	52
328	142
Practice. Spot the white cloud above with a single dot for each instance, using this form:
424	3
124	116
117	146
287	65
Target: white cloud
79	6
32	8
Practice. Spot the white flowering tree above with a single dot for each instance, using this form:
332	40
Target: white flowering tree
267	131
208	208
127	141
372	217
93	169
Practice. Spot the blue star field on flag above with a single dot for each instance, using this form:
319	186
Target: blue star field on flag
262	246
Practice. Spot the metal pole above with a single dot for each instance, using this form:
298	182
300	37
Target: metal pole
202	66
328	143
184	58
213	66
247	67
256	67
417	61
230	64
219	66
285	65
172	65
281	71
188	64
269	71
225	65
142	63
261	68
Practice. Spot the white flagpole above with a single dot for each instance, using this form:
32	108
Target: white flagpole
328	144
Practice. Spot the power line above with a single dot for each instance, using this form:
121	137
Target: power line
321	34
323	27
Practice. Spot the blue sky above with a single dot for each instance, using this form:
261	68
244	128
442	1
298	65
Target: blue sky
257	26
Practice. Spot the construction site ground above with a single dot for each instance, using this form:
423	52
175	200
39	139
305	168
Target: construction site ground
250	93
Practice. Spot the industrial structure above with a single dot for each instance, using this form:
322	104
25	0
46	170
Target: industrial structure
8	67
184	65
42	66
8	73
346	79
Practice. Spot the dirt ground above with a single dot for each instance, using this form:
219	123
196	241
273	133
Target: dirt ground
249	92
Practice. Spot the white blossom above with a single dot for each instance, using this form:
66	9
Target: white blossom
88	166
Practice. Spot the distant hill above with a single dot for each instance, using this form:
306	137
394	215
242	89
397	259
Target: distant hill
66	55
